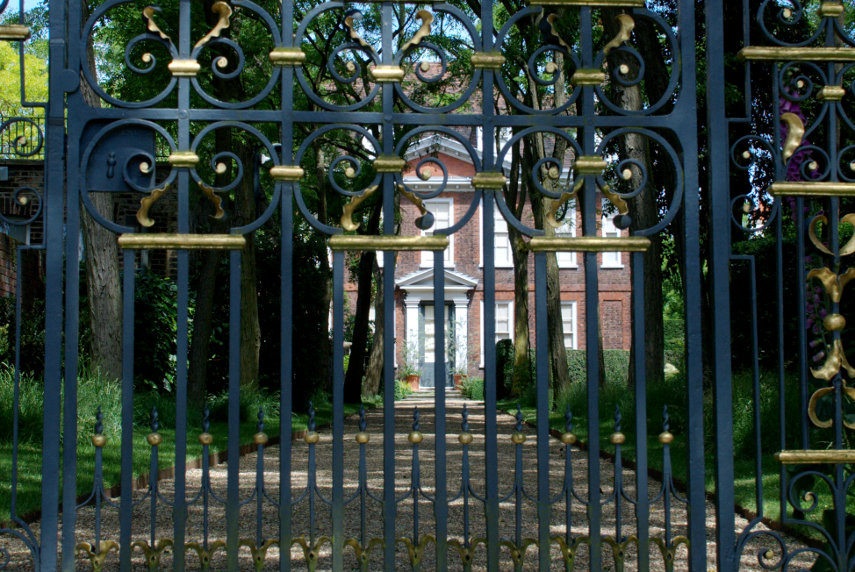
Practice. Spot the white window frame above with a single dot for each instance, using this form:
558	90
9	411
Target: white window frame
611	259
427	255
498	218
510	306
567	228
572	306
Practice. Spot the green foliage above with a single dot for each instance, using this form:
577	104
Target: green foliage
31	397
32	335
155	329
10	82
402	389
616	364
473	388
504	367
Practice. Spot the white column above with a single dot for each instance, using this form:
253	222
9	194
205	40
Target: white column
461	328
411	325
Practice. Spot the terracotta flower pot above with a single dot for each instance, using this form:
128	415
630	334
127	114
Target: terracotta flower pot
458	380
413	381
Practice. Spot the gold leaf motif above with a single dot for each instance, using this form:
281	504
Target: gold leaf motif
627	25
813	236
568	551
426	18
836	360
619	548
96	559
669	551
347	213
415	551
832	283
353	34
556	205
145	205
551	19
148	15
205	555
620	204
849	247
795	134
258	553
224	11
362	553
413	198
153	554
215	199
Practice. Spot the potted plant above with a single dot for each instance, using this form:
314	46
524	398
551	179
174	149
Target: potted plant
406	369
459	373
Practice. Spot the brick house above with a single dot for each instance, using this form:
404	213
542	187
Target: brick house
464	285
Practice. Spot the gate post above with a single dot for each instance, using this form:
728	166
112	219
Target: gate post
720	288
54	218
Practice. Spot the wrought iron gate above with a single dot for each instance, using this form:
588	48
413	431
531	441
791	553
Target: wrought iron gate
589	107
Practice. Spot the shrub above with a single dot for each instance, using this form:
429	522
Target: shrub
32	335
402	389
473	388
616	365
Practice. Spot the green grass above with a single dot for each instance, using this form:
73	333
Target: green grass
94	391
672	392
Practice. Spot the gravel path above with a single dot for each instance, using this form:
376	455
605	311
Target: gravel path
373	517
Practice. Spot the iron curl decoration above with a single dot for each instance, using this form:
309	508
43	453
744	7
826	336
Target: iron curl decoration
221	63
148	58
753	154
423	170
532	64
771	14
846	164
155	189
796	81
218	166
671	91
24	198
415	48
561	175
28	540
354	66
608	142
361	137
24	146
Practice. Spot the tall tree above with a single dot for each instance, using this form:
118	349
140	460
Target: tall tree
103	287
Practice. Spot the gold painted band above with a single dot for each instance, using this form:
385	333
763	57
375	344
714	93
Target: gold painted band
409	243
182	241
779	53
808	456
14	32
588	244
808	189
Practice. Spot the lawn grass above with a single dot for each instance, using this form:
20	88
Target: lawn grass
616	394
95	392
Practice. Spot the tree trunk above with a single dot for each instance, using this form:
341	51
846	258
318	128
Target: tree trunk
522	343
643	209
103	287
374	372
359	348
250	331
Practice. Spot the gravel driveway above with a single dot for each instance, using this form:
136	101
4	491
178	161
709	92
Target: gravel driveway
373	521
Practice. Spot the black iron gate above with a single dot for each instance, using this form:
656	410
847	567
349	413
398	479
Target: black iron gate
457	140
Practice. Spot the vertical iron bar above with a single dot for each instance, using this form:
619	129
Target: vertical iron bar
686	109
719	198
491	449
440	503
179	510
592	312
233	472
285	362
388	149
72	328
542	380
389	507
54	215
286	303
642	504
491	456
338	413
801	274
127	478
